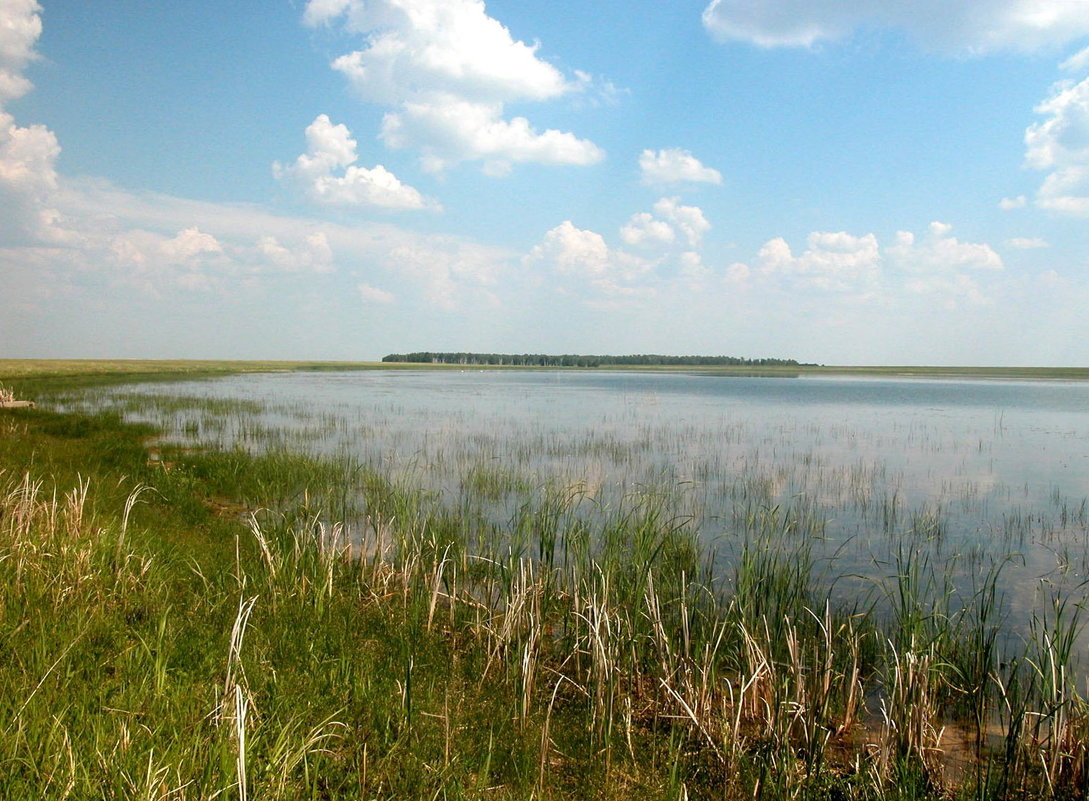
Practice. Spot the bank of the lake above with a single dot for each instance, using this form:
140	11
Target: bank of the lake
114	370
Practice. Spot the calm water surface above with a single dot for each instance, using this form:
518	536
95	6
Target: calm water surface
981	468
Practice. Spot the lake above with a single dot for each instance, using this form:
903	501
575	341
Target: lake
977	472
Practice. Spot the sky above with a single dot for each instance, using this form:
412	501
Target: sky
889	182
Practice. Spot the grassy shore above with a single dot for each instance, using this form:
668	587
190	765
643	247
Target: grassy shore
222	624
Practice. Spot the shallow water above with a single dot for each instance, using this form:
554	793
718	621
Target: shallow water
979	470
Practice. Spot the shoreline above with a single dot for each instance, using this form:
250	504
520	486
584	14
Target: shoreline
115	370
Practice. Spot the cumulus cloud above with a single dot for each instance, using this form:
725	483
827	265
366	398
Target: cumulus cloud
671	222
691	266
935	266
28	181
160	245
327	172
643	230
447	270
1010	203
20	27
674	165
450	46
1059	145
737	274
1066	190
373	295
28	155
584	255
689	220
955	26
574	251
832	261
190	244
937	251
446	69
449	130
61	236
312	254
194	259
662	249
153	262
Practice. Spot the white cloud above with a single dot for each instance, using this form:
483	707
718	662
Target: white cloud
937	251
1060	145
643	230
232	252
446	69
331	149
1051	279
1064	136
453	46
574	251
935	267
949	291
190	244
322	12
667	239
372	294
1027	243
28	155
1010	203
737	274
689	219
1079	62
956	26
159	244
155	263
88	244
674	165
20	27
447	271
312	254
691	266
28	180
196	260
836	262
673	221
450	130
1067	191
583	255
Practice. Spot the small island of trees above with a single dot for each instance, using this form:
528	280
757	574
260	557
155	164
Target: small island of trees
577	360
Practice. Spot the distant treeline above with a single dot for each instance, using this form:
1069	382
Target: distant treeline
575	360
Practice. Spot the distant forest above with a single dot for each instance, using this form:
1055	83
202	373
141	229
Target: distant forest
575	360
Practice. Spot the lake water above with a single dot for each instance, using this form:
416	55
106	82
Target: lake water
980	469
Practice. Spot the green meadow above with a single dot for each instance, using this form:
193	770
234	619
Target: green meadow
183	621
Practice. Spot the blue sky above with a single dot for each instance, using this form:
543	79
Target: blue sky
843	183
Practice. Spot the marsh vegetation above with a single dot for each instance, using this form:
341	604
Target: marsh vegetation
510	587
